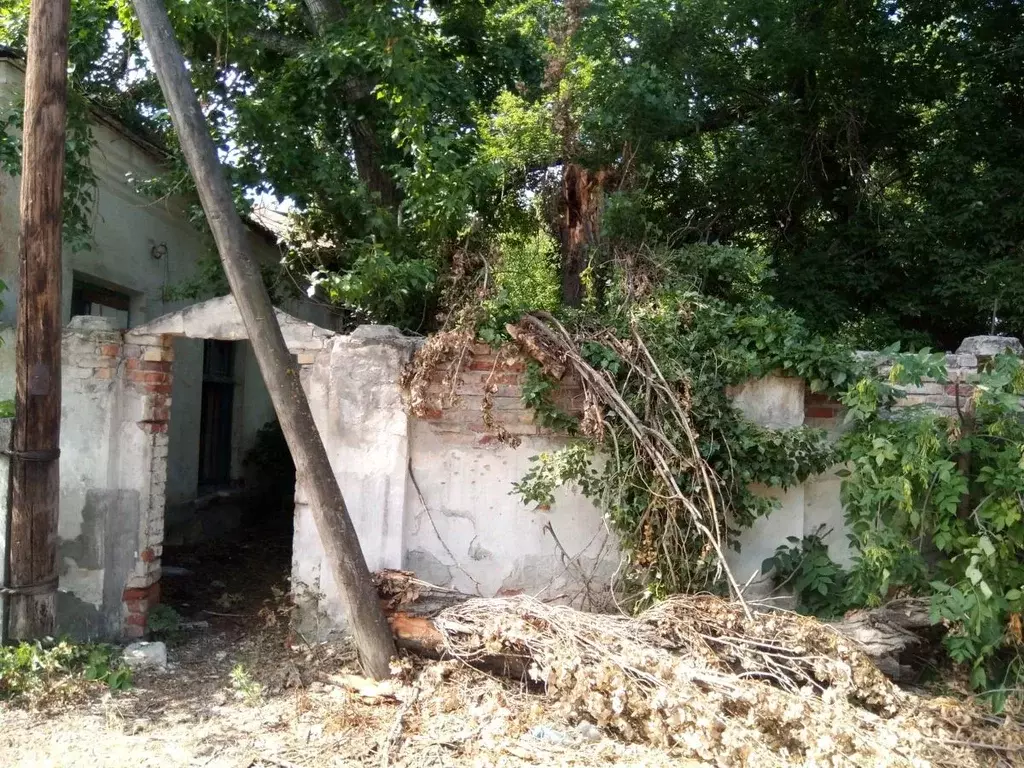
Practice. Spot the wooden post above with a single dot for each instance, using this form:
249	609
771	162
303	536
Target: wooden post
341	545
35	470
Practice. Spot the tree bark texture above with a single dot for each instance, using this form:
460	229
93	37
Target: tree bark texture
341	544
581	207
35	467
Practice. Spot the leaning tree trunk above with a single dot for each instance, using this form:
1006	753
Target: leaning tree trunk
341	544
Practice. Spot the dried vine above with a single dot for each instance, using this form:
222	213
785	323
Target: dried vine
703	508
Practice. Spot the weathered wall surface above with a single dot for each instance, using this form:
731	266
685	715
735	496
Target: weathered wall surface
114	446
126	227
435	496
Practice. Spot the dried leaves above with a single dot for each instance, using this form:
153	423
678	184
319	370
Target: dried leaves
695	674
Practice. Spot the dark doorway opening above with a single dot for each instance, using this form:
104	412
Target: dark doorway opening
236	580
89	298
215	425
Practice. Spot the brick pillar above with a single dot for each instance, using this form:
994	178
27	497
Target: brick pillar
148	372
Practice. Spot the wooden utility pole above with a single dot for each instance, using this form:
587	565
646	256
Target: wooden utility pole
35	468
341	544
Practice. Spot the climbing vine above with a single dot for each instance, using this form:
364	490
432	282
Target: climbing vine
934	506
658	444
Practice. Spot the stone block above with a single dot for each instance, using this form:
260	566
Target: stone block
377	333
145	656
90	323
926	388
987	347
144	340
967	361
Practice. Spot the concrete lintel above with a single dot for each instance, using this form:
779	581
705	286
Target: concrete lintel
220	319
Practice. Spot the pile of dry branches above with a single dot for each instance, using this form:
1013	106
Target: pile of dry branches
697	675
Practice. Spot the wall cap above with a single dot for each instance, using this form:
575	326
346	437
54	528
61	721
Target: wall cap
989	346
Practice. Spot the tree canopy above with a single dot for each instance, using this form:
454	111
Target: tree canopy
869	151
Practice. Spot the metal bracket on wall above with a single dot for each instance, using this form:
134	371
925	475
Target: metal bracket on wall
46	455
41	588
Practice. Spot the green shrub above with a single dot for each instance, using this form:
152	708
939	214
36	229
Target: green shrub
934	505
43	673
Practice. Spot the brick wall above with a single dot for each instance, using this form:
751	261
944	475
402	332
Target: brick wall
498	376
148	362
824	412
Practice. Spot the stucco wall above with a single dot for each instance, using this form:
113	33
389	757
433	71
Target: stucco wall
112	475
435	496
776	402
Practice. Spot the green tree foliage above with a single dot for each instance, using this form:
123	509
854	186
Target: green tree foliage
871	151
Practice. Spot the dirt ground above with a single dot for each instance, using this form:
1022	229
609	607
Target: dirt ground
241	692
304	707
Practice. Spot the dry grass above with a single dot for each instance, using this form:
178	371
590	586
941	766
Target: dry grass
691	682
313	710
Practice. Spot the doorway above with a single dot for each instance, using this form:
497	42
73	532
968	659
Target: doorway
215	421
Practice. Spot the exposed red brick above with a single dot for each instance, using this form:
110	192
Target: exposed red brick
110	350
136	606
432	414
506	378
153	365
149	377
966	390
159	389
154	427
482	364
147	555
141	593
159	413
136	620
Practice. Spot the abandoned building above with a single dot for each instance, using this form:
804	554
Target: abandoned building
162	400
141	251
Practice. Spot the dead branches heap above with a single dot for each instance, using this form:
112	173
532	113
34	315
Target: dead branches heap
696	675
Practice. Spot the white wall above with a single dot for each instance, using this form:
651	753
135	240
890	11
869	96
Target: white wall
467	531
